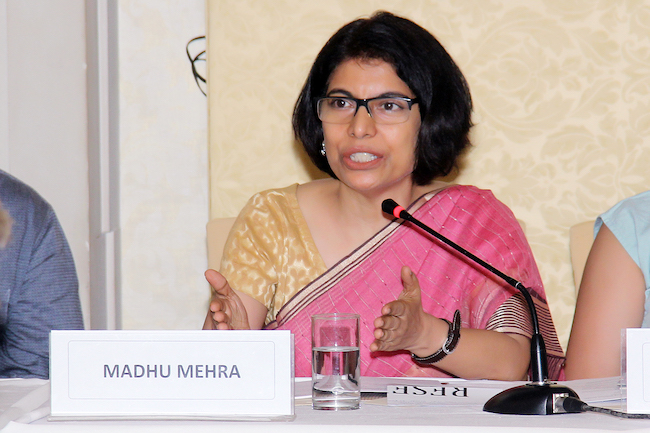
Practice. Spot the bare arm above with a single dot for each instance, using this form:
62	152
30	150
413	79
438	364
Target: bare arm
230	309
480	354
611	298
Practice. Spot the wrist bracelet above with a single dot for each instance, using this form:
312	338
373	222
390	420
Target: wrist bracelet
450	344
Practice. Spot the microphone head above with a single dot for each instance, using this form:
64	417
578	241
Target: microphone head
389	206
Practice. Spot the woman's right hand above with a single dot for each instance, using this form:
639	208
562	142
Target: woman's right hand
226	311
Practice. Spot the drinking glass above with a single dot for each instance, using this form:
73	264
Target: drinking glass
335	361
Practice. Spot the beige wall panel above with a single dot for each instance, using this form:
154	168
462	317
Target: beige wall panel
163	167
561	94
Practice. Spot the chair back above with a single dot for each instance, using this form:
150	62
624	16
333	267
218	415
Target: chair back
217	234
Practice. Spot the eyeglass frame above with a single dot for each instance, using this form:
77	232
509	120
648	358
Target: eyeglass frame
364	103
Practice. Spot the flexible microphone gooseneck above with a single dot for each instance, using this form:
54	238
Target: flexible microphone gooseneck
537	398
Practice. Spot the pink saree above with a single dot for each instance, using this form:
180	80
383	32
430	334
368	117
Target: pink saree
370	277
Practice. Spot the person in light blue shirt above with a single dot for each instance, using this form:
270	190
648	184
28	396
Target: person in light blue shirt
38	281
615	289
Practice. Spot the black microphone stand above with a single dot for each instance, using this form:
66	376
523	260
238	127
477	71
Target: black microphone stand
540	397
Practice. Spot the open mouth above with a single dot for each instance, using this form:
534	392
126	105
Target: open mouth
363	157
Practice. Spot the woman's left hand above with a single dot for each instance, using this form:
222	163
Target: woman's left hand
403	322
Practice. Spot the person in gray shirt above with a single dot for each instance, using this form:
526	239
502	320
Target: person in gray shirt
39	289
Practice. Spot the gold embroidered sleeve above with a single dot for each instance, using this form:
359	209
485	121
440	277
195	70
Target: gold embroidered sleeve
270	254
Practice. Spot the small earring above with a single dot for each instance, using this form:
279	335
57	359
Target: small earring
322	149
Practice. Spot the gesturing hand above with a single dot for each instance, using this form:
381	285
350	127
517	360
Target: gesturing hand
226	309
402	323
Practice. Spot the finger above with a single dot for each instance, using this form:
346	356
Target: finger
376	346
220	310
410	283
390	323
216	320
216	305
396	308
223	326
209	322
385	336
382	345
218	282
221	317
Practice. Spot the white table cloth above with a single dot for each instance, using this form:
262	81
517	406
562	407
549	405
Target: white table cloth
25	408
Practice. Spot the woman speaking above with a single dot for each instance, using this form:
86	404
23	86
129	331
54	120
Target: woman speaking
385	112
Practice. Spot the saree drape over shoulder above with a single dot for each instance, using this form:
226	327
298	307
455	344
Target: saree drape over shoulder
370	277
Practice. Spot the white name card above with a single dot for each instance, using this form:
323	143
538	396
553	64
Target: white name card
172	374
637	365
442	394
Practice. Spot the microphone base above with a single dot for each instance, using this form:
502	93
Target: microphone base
530	399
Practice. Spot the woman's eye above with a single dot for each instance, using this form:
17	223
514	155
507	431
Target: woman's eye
340	103
391	105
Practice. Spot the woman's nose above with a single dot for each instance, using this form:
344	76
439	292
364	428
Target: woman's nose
362	124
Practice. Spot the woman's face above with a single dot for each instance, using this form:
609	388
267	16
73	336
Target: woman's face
365	155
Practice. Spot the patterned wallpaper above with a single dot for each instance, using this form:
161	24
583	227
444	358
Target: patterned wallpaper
561	92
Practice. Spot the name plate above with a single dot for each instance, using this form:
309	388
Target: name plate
172	374
637	365
442	394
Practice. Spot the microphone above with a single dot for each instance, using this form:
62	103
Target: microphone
540	397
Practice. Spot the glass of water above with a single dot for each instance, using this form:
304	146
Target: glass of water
335	361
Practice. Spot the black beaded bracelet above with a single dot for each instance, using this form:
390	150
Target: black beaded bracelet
450	344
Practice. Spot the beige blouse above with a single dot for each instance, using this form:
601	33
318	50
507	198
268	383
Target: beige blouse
270	253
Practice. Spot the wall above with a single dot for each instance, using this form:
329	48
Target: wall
163	167
560	91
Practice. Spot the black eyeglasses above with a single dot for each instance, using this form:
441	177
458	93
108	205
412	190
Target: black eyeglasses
383	110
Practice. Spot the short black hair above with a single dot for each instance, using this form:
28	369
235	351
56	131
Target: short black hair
422	63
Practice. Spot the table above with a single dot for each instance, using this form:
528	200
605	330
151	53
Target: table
25	404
